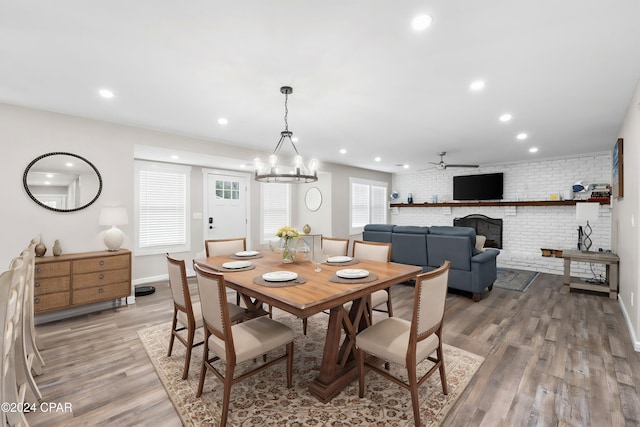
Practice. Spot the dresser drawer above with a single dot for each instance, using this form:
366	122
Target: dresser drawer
52	269
99	293
88	280
51	301
100	263
51	285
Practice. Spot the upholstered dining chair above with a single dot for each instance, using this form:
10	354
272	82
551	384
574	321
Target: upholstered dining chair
219	247
409	343
30	341
375	251
333	246
234	344
187	315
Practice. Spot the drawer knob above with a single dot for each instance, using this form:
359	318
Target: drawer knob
101	276
100	290
37	300
38	270
36	284
101	262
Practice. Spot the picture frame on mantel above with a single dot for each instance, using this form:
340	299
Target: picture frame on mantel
618	169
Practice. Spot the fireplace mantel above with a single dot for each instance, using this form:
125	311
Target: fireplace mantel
500	203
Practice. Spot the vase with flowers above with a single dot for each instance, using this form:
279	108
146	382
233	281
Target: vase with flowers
288	242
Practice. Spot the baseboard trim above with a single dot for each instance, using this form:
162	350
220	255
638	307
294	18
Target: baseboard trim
632	332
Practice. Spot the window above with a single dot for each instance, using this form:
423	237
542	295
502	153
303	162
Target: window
276	209
368	203
161	208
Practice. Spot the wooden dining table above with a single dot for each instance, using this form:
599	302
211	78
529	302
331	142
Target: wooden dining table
338	367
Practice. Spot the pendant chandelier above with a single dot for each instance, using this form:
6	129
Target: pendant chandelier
276	171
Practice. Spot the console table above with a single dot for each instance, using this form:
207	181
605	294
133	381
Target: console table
77	279
611	262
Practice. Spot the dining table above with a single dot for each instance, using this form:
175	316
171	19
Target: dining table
313	292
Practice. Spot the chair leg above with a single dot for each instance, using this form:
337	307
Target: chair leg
237	298
443	374
173	331
187	358
226	394
389	307
203	367
290	364
413	388
360	359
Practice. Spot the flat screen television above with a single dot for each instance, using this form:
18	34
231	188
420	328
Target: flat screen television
486	186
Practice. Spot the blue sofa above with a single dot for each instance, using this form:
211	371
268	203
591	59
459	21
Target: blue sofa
428	247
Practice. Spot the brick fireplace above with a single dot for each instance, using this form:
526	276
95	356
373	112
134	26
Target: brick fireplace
491	228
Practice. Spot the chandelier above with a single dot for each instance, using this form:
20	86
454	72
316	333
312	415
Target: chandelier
274	170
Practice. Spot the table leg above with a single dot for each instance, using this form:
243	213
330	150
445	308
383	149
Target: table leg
338	367
567	271
612	278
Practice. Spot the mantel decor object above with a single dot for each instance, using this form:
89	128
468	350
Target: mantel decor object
113	216
57	249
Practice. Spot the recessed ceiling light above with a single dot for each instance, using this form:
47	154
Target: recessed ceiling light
49	175
222	121
69	164
533	150
106	93
505	117
477	85
294	138
405	166
521	136
47	183
175	157
343	151
377	159
421	22
243	166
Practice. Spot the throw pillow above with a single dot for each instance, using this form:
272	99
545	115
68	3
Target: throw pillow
480	243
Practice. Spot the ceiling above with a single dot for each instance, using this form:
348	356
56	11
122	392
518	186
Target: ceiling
363	80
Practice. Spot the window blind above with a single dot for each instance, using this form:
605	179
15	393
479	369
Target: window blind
276	209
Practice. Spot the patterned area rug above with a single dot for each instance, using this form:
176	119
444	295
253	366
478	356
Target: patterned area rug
514	280
264	399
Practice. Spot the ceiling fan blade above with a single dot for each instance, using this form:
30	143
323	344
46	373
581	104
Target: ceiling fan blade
463	166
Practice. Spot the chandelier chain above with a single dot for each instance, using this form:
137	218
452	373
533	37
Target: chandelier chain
286	112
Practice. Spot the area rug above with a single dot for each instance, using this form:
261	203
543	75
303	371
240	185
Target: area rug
514	280
264	399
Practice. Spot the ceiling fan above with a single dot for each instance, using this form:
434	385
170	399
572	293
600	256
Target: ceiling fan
441	165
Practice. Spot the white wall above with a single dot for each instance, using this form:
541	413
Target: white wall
27	134
525	229
626	214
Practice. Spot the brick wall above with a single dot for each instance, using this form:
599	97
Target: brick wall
525	229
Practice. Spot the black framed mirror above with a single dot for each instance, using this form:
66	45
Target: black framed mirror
62	182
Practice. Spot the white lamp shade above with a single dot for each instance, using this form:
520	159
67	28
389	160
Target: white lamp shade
587	212
113	216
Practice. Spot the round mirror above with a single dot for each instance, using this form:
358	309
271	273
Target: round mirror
313	199
62	182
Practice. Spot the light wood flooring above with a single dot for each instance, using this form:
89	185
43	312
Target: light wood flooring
551	358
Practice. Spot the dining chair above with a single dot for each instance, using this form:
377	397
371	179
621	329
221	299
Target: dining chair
375	251
11	388
409	343
219	247
29	332
234	344
187	315
333	246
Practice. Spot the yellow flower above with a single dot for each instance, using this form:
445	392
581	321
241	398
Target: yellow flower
287	232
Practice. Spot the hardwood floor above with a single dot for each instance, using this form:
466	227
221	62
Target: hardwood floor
552	358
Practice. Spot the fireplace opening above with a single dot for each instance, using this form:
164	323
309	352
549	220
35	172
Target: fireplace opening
491	228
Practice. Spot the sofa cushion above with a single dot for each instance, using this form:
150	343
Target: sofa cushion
446	230
480	240
456	249
409	248
409	229
377	233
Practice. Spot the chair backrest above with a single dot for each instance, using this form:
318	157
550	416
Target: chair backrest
213	301
429	301
334	246
372	251
225	246
179	284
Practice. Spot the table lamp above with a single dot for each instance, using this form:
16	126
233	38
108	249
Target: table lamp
587	212
113	216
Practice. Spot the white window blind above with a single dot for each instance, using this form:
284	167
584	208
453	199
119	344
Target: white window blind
162	206
368	204
276	209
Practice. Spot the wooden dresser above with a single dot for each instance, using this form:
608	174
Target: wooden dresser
77	279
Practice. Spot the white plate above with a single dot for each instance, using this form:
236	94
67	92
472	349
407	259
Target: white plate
247	253
236	264
280	276
352	273
339	259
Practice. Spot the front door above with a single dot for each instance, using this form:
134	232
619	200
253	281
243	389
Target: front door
226	206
